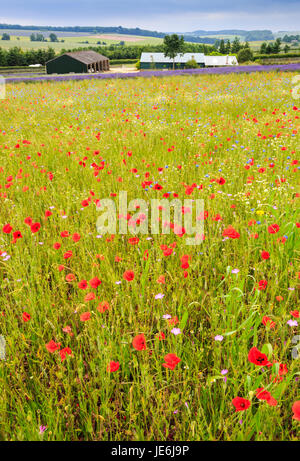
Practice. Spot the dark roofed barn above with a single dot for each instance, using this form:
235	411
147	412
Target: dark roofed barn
78	62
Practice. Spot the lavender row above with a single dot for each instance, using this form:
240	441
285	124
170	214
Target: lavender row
159	73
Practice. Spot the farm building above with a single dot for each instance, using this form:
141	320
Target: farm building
77	62
159	61
215	61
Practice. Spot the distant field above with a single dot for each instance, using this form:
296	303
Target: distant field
225	37
73	40
27	33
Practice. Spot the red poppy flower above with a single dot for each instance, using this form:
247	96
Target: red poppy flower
95	282
134	240
161	279
56	246
265	255
161	336
26	317
168	251
28	221
231	233
70	277
173	320
262	285
268	321
113	366
103	306
171	360
272	402
295	314
52	346
296	410
128	275
257	357
220	181
85	316
7	229
64	352
68	330
262	394
82	285
89	297
240	403
68	254
35	227
273	229
17	235
76	237
139	342
189	190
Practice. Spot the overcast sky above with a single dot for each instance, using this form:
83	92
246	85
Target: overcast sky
160	15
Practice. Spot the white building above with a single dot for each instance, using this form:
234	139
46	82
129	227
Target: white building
215	61
149	60
159	61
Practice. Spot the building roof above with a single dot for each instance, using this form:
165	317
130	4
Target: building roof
220	61
160	57
86	57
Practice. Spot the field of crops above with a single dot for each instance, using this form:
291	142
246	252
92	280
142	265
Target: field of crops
140	336
73	40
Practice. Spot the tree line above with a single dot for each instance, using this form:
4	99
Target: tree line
273	48
291	38
17	57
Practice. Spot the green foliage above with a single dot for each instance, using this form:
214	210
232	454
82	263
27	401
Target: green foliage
122	61
17	57
53	37
291	38
37	37
191	64
244	55
236	45
228	47
271	48
173	46
215	53
222	48
5	36
276	56
263	48
258	35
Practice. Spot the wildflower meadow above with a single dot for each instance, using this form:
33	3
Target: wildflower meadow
136	335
